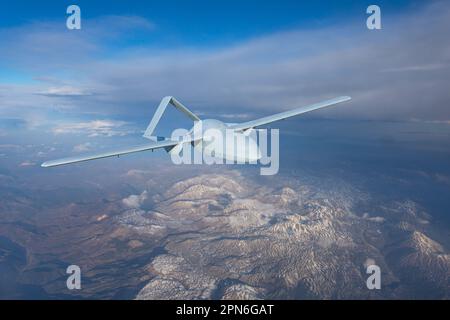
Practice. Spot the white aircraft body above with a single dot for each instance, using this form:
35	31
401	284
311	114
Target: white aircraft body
198	133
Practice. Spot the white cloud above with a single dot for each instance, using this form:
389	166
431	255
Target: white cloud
369	262
135	201
267	74
82	147
374	219
11	146
64	91
27	164
442	178
289	69
377	219
424	67
93	128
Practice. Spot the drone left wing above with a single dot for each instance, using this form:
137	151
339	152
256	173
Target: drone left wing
287	114
168	144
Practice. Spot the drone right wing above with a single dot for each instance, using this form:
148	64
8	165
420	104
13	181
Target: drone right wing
287	114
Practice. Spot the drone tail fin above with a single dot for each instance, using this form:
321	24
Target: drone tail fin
160	111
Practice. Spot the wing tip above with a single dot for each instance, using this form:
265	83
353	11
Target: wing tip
52	163
345	98
46	164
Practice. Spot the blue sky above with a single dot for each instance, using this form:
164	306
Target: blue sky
201	22
233	60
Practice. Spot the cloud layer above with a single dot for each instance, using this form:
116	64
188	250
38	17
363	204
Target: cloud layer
94	128
399	73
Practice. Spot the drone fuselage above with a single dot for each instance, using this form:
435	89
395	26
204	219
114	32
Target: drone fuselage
217	139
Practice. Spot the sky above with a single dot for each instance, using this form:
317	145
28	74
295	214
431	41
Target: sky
67	92
233	60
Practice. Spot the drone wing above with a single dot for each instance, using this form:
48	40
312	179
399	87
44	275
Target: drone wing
287	114
168	144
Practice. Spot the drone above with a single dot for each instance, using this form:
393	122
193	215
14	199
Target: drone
199	133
